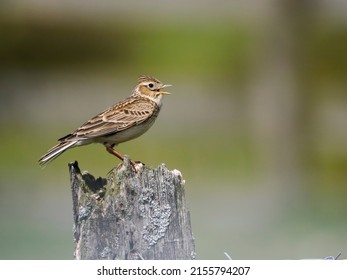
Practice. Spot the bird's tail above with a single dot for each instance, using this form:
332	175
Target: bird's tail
56	151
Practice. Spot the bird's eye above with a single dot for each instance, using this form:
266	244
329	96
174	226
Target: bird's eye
150	85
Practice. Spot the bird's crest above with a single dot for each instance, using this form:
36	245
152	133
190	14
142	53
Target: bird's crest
144	78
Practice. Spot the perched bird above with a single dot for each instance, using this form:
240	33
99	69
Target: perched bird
122	122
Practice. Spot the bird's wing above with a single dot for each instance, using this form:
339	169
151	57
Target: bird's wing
121	116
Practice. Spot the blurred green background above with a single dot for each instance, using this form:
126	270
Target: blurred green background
257	122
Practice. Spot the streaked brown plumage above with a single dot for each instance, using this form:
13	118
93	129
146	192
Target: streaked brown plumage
122	122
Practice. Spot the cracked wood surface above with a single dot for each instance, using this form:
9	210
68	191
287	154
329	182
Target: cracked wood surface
131	215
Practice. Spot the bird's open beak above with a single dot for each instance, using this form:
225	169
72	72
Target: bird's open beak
164	92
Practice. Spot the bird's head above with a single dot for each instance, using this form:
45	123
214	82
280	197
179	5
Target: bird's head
150	87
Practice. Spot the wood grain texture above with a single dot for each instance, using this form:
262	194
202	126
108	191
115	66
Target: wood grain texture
131	215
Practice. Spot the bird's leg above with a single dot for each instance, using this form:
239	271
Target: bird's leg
112	151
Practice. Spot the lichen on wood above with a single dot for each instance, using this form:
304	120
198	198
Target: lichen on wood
131	214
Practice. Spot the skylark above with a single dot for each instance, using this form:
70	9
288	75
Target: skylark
122	122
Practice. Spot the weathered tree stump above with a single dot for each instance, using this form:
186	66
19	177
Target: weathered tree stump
131	215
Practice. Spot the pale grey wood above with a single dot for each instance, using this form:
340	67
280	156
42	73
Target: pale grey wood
131	215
